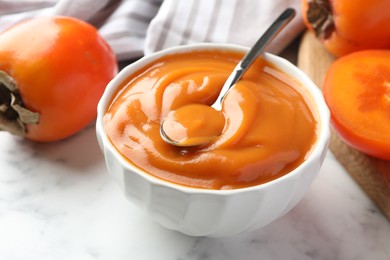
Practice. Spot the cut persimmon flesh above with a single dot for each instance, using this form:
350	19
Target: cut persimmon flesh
357	91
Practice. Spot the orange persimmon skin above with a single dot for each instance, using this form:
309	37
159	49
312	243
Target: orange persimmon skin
358	25
357	91
61	66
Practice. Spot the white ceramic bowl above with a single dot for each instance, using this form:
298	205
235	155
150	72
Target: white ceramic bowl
214	213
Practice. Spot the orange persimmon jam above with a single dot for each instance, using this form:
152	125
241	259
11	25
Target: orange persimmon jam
270	122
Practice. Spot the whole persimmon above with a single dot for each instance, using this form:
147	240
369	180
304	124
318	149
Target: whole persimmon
53	71
346	26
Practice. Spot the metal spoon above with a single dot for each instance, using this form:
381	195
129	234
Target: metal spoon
240	70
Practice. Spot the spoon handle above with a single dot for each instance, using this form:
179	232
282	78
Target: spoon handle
255	51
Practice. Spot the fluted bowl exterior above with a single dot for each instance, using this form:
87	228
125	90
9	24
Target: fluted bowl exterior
214	213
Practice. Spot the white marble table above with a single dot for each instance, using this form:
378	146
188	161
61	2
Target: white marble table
58	202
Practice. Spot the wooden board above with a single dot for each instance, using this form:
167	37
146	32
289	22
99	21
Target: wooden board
372	174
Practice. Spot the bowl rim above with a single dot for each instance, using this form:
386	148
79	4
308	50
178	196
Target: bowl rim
281	63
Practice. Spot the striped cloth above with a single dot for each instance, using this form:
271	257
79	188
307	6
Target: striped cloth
134	28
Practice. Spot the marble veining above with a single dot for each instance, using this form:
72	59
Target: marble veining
58	202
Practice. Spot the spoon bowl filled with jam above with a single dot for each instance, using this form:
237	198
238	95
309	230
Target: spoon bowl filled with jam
271	138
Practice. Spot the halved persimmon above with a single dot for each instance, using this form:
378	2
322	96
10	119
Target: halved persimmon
357	91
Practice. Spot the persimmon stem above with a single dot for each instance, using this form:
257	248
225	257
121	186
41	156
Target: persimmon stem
13	115
320	16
